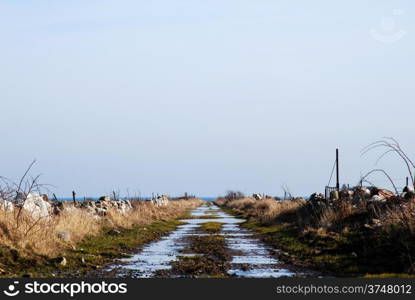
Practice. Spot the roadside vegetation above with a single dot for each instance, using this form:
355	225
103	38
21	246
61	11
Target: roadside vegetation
358	231
338	237
73	242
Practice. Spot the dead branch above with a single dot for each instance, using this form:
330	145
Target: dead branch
392	146
386	174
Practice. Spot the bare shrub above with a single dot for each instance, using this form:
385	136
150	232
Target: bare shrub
390	145
234	195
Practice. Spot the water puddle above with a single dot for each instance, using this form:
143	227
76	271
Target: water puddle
155	256
261	273
250	257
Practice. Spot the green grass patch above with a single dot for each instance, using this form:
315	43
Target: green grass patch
211	258
328	254
207	217
211	227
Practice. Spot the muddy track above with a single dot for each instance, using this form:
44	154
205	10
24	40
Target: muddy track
246	255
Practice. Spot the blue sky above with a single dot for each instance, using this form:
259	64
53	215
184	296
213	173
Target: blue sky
203	96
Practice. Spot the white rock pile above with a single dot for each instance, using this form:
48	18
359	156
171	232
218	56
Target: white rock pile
39	206
162	200
104	204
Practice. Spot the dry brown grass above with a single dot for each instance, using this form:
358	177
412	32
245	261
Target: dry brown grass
28	235
145	213
341	236
241	204
39	236
78	223
270	209
389	217
265	210
397	216
335	215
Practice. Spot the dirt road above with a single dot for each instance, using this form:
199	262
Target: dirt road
246	256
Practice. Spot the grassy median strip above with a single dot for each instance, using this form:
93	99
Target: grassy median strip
211	258
206	255
211	227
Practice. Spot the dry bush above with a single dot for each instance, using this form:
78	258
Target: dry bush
387	217
269	211
335	215
234	195
266	210
37	236
221	202
400	216
241	204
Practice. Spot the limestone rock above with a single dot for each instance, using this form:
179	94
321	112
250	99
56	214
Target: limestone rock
377	198
257	196
63	262
37	206
114	232
316	198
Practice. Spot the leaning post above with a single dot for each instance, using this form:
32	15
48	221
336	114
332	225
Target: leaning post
337	170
